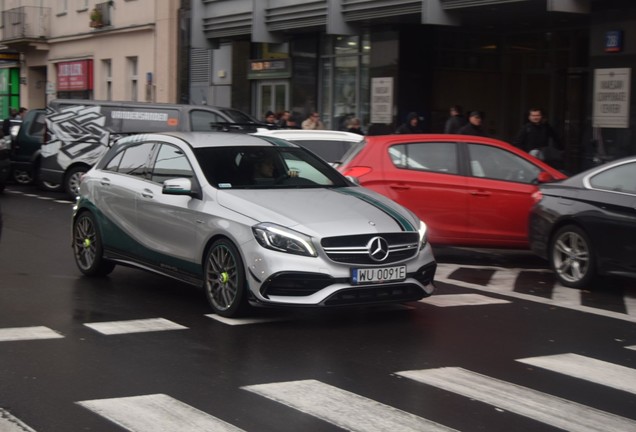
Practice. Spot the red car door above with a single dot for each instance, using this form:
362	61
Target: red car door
500	195
423	177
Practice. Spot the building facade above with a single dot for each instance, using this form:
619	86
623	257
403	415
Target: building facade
111	50
379	60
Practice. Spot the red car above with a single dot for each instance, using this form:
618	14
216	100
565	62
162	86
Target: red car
470	191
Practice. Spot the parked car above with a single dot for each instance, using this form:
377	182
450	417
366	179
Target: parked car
79	131
470	191
255	220
329	145
586	225
5	162
26	147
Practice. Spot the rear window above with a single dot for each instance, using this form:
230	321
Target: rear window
329	150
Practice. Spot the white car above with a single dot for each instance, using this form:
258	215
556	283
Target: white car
255	220
329	145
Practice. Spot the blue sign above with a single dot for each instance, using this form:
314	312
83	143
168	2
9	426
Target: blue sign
614	41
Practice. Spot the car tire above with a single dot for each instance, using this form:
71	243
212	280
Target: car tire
224	279
22	177
72	180
572	257
88	248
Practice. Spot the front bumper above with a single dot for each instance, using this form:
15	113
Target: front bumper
303	281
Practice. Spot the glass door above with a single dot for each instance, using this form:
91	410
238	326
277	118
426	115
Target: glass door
271	96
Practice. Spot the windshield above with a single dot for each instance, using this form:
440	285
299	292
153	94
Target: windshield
266	167
238	116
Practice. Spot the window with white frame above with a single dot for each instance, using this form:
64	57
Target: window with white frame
133	77
107	73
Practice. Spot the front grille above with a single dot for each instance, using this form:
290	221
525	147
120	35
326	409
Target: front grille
295	284
376	294
354	249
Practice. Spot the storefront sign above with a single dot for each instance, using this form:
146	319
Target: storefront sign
382	100
614	41
75	75
611	97
270	68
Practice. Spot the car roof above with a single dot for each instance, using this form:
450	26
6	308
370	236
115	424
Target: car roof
307	135
211	139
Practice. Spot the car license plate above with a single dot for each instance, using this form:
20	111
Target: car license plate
379	274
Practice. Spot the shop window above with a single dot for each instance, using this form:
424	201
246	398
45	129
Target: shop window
345	80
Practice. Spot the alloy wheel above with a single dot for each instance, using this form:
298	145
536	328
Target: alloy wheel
571	257
225	279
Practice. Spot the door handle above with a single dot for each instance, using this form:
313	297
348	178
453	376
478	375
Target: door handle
400	187
147	193
480	193
104	181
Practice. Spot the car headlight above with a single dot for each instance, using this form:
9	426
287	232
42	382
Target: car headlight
278	238
422	231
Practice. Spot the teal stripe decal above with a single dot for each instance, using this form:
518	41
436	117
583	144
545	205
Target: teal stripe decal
401	220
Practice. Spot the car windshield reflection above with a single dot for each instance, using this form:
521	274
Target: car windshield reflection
255	167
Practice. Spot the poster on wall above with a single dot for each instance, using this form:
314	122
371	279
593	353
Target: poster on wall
382	100
611	98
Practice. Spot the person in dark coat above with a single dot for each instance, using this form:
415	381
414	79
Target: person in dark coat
473	127
411	126
538	138
456	120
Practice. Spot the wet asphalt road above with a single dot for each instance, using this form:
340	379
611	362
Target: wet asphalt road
320	370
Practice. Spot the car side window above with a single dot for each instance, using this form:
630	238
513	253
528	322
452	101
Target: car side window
499	164
621	178
437	157
202	121
134	160
113	164
170	163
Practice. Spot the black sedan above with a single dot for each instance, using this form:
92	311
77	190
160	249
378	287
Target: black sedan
586	225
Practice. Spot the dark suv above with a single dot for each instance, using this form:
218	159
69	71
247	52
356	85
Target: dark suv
26	146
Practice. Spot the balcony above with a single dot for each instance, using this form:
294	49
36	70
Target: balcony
100	16
24	25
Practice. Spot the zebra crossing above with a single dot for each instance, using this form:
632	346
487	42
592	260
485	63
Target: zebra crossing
536	285
356	412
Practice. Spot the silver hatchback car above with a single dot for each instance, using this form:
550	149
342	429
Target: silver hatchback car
254	220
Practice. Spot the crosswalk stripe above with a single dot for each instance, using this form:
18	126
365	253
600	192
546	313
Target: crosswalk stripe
441	275
28	333
551	410
134	326
9	423
342	408
447	300
156	413
244	321
589	369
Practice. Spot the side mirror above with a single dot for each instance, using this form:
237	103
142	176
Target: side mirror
177	186
544	177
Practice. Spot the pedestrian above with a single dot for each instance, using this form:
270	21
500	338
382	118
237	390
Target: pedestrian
354	126
474	126
411	126
456	120
283	119
539	139
270	117
313	122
